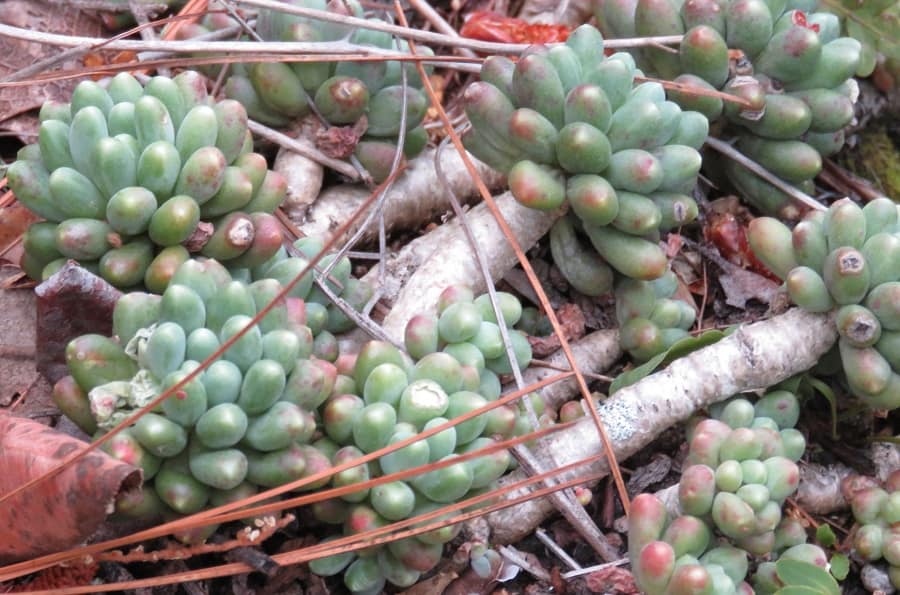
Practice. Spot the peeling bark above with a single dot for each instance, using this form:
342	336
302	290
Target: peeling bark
71	303
755	356
304	180
419	273
415	198
595	353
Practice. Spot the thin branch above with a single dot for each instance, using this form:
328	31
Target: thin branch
434	38
217	35
291	144
746	162
437	21
248	536
438	39
151	6
192	46
47	63
554	547
591	569
695	91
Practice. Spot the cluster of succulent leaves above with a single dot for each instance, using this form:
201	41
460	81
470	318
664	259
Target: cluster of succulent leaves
246	421
277	93
872	24
740	469
124	174
458	355
570	126
796	74
877	511
278	406
650	319
846	259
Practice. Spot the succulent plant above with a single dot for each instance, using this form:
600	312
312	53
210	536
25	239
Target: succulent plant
650	319
740	468
125	173
277	93
876	509
569	125
274	408
247	421
794	70
846	260
450	368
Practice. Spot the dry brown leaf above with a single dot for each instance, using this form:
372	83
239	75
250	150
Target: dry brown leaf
58	17
612	580
339	142
741	285
59	512
71	303
14	220
571	323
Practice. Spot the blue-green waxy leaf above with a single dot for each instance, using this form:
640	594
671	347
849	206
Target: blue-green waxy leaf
679	349
806	577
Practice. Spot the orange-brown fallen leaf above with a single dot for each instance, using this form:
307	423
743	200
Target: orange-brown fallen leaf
59	512
611	580
571	321
56	577
490	26
14	220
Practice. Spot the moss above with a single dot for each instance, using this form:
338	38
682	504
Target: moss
876	157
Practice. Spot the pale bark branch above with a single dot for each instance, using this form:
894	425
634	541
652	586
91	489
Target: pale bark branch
755	356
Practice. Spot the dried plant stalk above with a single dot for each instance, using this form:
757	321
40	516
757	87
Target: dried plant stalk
304	181
755	356
415	198
417	275
595	353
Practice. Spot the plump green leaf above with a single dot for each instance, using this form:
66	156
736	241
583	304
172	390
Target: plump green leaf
840	566
869	54
794	590
794	573
679	349
825	390
825	536
792	384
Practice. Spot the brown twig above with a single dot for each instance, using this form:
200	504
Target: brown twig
732	153
291	144
434	17
554	547
265	527
238	510
695	91
338	546
544	364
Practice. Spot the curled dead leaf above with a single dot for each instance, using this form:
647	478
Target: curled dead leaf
63	510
